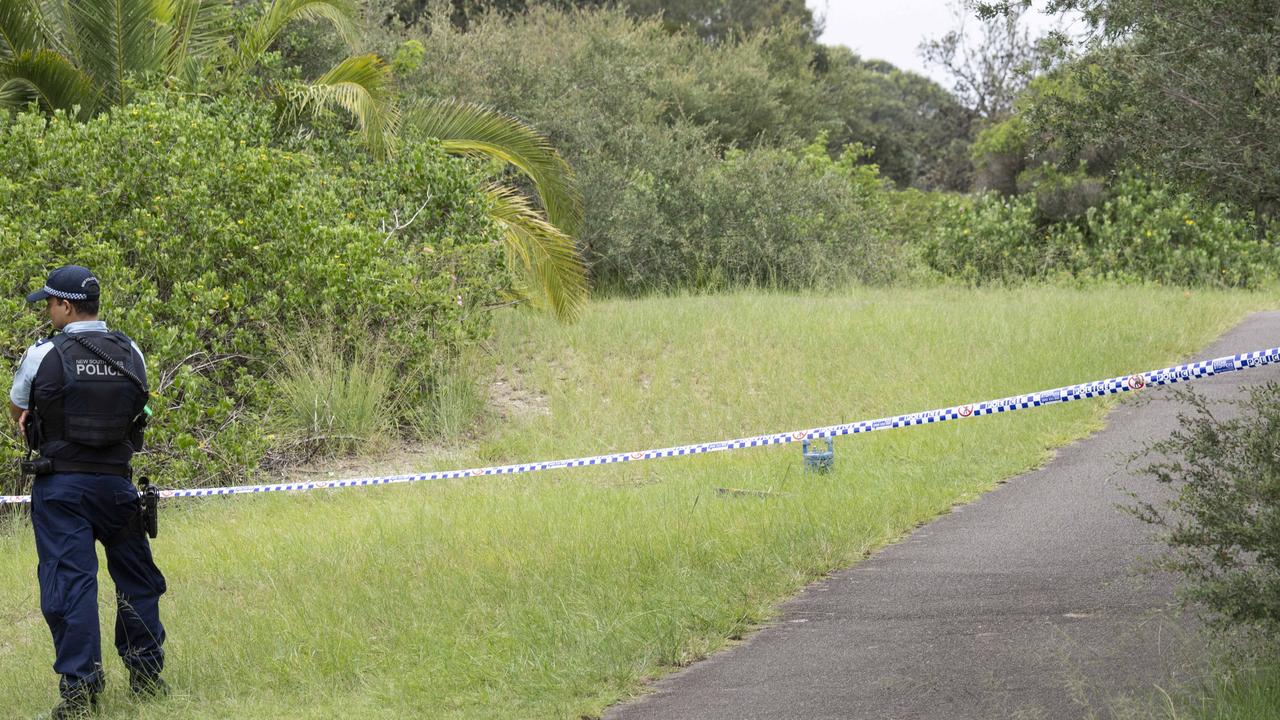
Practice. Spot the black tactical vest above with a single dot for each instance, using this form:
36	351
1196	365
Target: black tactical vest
86	410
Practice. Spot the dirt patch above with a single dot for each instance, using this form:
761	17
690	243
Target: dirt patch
510	397
401	459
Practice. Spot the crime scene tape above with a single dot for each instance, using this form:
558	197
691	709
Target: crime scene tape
1097	388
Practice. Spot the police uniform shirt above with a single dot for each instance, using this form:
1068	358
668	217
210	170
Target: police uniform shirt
20	393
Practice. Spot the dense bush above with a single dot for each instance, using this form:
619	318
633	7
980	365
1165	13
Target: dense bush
215	238
763	217
580	76
1143	231
1224	525
710	19
583	75
688	153
650	121
641	114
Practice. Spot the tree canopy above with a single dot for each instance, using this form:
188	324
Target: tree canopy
1192	87
713	20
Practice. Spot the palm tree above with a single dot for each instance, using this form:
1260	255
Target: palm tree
541	248
83	56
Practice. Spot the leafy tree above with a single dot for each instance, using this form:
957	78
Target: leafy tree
1000	155
1018	153
918	132
1190	86
725	19
714	20
88	55
990	68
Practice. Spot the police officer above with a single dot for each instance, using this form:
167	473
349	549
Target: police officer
79	399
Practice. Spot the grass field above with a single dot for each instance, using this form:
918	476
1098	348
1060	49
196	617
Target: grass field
554	595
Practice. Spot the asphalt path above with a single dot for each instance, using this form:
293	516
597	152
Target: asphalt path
1034	602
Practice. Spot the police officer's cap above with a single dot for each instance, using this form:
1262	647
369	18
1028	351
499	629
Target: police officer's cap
69	282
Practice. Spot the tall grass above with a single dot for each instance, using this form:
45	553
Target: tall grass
1249	695
1243	685
334	401
554	595
457	403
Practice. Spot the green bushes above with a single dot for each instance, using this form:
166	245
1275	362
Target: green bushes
1143	231
688	153
637	114
689	156
212	236
763	217
1224	525
988	239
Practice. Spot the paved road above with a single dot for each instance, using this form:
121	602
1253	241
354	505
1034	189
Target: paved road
1029	603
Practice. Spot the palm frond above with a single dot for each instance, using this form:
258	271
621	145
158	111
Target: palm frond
470	129
48	79
341	14
363	86
197	30
116	38
54	19
548	268
19	28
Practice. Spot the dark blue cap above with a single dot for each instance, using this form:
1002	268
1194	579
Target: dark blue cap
69	282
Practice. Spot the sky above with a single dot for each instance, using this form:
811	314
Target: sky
893	29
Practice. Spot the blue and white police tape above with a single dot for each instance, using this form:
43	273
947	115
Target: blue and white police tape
1111	386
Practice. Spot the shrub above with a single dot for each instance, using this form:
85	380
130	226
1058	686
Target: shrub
1143	231
763	217
638	111
1150	231
685	150
913	218
780	219
580	76
987	239
1224	525
212	235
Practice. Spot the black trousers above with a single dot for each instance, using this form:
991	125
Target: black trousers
70	511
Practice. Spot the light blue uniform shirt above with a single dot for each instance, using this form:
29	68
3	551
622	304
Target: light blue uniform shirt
31	359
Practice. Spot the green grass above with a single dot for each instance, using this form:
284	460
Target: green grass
1253	694
1241	682
553	595
331	402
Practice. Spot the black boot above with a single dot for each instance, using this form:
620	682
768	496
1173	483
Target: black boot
75	706
146	686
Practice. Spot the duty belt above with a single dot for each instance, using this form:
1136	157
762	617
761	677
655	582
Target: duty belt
68	466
